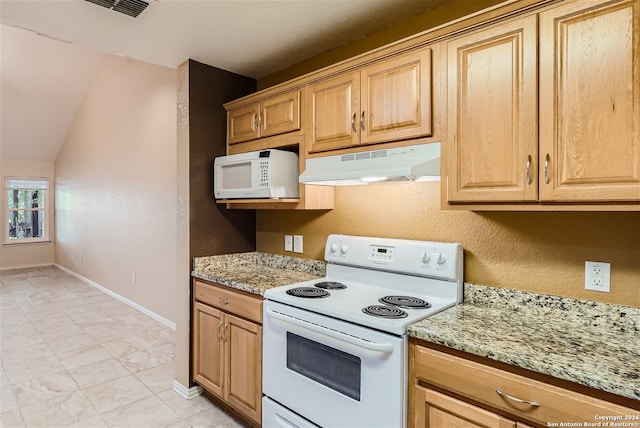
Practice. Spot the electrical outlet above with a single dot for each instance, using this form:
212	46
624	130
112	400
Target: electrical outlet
297	243
133	277
288	243
80	257
597	276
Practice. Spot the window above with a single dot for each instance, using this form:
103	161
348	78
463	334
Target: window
27	216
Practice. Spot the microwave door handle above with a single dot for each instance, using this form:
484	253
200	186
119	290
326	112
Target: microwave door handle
355	344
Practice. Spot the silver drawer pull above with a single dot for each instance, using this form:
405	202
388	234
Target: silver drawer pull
505	395
223	301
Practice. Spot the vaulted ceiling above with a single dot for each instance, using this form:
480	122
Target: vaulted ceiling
51	49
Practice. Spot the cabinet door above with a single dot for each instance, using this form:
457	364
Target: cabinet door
435	410
242	124
590	101
492	114
280	114
333	107
208	351
396	98
243	357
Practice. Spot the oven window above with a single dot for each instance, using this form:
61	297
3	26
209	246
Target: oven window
330	367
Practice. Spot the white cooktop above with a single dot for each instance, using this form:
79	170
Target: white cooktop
372	268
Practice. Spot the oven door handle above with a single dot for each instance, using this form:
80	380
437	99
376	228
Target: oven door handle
355	344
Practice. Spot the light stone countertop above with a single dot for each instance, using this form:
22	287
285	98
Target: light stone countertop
589	343
256	272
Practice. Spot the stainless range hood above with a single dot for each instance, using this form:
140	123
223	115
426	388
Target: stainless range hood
411	163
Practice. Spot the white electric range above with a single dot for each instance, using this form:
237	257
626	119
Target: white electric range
341	340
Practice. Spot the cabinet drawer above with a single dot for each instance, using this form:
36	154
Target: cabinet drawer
479	383
231	301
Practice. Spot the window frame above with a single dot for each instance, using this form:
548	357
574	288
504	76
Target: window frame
11	183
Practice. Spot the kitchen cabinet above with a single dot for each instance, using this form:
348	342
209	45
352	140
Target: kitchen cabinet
590	101
385	101
586	108
261	118
227	346
450	390
434	409
492	113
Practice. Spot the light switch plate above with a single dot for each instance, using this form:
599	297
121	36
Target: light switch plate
597	276
288	242
297	243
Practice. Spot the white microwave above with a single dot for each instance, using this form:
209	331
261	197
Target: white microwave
261	174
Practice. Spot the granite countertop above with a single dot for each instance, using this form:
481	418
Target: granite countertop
589	343
256	272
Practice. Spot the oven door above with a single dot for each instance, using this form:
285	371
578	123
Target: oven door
332	372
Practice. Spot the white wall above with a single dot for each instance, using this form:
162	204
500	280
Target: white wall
116	185
26	255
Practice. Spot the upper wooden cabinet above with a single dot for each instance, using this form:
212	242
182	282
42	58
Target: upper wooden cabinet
586	108
270	116
590	101
492	114
386	101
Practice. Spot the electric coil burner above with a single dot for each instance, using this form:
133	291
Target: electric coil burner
308	292
330	285
406	302
342	339
384	311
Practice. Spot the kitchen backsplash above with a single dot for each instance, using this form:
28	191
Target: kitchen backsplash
542	252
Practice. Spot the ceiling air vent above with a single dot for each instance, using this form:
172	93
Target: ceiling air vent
128	7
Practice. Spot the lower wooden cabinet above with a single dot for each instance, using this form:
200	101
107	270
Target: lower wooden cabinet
433	409
448	390
227	348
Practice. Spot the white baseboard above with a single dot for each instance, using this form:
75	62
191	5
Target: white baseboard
26	266
185	392
131	303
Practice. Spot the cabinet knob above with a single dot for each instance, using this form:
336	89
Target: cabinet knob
223	301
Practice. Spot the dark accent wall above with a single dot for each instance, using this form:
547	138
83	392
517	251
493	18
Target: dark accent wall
213	228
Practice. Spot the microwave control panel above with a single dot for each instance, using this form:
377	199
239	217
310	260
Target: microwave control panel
264	173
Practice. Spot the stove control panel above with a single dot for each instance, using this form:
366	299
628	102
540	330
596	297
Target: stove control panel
430	259
381	252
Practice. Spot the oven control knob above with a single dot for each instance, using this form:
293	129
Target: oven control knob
424	257
344	249
440	260
334	248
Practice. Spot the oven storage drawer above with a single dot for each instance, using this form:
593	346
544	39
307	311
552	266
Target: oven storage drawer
479	383
229	300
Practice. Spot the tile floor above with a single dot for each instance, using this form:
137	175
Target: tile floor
73	356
